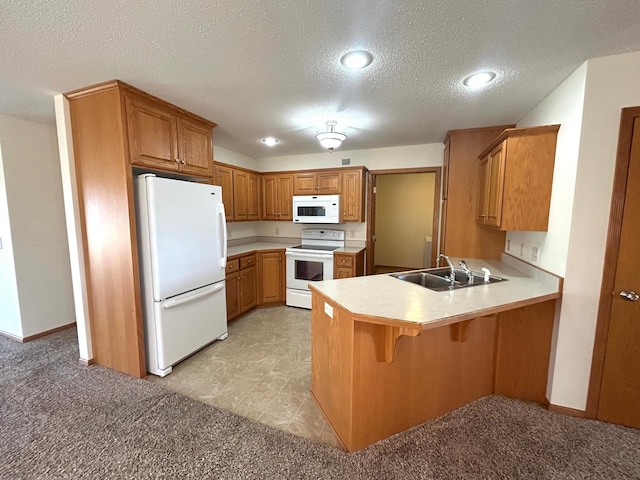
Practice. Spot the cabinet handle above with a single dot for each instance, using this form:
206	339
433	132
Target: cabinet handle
279	259
184	162
177	160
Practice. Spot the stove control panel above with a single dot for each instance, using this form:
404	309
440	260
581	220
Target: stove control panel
322	234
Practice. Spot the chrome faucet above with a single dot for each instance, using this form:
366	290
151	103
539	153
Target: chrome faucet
469	273
452	277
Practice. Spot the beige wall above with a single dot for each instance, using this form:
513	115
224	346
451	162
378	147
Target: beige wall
404	218
33	191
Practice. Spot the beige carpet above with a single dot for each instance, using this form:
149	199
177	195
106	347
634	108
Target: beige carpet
59	419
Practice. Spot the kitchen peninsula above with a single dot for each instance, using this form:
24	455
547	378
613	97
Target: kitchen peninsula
388	355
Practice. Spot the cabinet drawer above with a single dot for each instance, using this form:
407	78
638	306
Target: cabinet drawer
343	261
232	266
249	261
342	273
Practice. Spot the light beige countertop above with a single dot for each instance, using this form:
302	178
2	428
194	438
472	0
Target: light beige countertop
388	300
250	247
349	249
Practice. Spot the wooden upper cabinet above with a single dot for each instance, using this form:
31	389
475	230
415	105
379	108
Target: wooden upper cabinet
352	201
491	196
516	179
166	139
224	178
318	183
246	195
195	150
152	135
277	191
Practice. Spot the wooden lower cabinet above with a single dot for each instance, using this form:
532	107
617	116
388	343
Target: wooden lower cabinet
240	285
348	264
271	277
373	380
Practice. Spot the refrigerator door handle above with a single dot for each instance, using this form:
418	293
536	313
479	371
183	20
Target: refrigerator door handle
223	231
180	301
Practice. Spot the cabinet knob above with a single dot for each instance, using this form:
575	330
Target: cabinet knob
177	160
279	259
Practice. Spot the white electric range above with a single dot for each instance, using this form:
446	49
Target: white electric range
311	261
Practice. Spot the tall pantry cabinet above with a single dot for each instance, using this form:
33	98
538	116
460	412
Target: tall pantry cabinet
116	127
460	235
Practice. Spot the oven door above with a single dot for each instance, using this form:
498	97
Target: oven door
304	267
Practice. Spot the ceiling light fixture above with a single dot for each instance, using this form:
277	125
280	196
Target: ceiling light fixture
331	139
478	79
270	141
356	59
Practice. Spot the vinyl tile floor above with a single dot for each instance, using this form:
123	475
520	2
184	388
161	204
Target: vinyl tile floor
262	371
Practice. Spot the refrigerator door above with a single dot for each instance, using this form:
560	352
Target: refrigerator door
186	234
184	324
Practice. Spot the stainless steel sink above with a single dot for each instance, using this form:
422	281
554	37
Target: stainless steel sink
438	279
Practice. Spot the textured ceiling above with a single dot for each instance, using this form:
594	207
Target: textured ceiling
261	68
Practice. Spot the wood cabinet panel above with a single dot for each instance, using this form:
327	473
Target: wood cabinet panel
164	139
519	174
318	183
195	150
152	135
277	193
347	264
461	236
271	277
352	201
241	285
246	195
224	178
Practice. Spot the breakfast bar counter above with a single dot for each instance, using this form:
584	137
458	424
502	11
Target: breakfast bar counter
388	355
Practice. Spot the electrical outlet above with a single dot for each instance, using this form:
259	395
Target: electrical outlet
508	244
328	309
522	249
534	254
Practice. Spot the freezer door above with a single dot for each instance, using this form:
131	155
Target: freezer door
186	232
186	323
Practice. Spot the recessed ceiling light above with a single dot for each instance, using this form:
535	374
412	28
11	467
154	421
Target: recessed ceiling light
356	59
478	79
270	141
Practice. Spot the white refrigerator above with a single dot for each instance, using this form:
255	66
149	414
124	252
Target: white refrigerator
182	240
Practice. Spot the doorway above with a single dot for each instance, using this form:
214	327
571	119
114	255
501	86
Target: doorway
614	388
402	219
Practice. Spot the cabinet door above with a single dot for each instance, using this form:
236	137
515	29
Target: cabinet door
152	135
194	148
232	287
270	197
495	190
224	178
352	196
247	289
305	184
482	191
329	183
284	197
271	276
240	195
253	196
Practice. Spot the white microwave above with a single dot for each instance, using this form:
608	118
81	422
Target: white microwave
316	208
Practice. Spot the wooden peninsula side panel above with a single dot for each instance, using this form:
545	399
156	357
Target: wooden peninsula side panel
366	397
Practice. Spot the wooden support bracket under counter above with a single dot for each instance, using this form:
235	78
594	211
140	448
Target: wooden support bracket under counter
389	355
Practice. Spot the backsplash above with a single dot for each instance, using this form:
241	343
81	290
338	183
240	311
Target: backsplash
355	232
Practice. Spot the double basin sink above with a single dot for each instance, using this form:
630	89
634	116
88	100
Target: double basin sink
439	279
